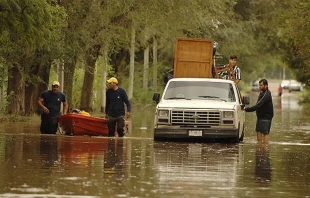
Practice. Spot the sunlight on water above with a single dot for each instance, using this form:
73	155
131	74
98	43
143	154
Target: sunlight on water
290	143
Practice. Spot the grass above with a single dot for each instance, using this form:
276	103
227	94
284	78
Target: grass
19	118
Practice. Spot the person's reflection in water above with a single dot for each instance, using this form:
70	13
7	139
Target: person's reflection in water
49	150
263	165
114	157
279	103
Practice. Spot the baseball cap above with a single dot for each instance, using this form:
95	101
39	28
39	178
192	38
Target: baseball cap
56	83
114	80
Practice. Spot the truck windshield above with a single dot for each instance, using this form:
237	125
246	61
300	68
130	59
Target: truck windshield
201	90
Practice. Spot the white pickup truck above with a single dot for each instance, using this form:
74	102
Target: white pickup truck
200	108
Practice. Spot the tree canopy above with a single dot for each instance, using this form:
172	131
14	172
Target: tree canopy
265	35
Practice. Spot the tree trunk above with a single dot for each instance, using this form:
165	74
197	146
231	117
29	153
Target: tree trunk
44	73
2	75
69	68
88	84
60	72
31	90
146	67
132	62
104	81
16	91
154	64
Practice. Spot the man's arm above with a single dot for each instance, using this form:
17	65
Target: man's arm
65	107
263	100
126	101
40	102
106	105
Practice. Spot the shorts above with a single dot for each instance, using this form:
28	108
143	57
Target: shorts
263	126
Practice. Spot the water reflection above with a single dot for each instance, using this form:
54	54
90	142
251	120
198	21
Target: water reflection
48	151
34	165
106	153
200	167
289	102
262	164
114	157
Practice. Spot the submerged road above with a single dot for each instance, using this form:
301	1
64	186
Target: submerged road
34	165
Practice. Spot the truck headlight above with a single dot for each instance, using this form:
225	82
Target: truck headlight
163	113
228	114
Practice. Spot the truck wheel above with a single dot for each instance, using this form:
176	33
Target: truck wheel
242	135
236	139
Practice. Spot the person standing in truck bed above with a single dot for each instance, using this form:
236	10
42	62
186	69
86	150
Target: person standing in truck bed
234	72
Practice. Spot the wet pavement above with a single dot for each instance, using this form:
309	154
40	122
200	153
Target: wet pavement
34	165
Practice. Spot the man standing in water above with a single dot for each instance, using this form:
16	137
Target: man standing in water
115	110
50	101
264	111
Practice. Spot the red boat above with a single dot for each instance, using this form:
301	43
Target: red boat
77	124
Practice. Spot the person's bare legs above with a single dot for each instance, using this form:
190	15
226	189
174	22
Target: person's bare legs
259	136
265	138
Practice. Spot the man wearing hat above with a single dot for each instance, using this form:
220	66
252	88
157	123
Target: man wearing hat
50	101
116	97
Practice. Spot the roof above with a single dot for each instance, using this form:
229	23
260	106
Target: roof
202	79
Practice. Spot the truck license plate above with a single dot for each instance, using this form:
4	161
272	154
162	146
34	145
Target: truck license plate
195	133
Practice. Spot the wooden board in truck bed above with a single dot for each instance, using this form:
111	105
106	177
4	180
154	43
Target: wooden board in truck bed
193	58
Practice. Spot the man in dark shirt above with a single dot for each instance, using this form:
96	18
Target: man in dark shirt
116	97
264	111
50	101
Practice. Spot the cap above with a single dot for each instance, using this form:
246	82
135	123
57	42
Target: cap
56	83
114	80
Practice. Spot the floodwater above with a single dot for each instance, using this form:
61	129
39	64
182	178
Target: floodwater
34	165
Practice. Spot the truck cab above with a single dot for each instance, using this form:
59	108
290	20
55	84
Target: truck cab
200	108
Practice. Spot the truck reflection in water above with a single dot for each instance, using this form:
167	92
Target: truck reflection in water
262	164
197	166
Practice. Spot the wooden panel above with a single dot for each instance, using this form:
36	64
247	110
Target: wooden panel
193	58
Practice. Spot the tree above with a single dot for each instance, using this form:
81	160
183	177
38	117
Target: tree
29	31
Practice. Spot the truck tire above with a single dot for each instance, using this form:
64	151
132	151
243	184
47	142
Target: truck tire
242	135
237	139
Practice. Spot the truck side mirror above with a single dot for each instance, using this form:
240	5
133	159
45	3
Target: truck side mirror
156	97
245	100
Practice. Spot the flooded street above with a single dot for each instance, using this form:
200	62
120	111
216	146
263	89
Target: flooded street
34	165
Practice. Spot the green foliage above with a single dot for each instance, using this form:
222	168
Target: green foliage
266	35
305	97
293	35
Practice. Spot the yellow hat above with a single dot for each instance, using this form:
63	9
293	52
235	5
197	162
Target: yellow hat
56	83
114	80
